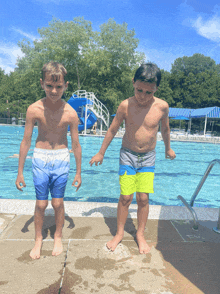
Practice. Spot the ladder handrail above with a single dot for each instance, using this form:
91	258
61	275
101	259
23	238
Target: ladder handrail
189	206
97	106
209	168
100	106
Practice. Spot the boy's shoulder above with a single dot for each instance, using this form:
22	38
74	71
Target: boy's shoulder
69	109
36	105
161	103
123	104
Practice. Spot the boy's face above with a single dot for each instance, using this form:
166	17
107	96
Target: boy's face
54	90
144	92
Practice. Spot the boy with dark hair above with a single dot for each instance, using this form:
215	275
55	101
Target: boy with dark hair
51	159
142	114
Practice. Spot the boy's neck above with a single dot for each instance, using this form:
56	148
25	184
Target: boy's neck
53	106
148	103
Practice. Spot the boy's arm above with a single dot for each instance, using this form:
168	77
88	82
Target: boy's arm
165	131
25	146
76	148
117	121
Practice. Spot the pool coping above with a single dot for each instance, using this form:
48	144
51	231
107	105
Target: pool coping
103	209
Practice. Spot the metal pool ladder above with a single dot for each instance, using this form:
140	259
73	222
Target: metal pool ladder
189	206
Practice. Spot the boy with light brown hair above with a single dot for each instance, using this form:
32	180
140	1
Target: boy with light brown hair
51	158
142	114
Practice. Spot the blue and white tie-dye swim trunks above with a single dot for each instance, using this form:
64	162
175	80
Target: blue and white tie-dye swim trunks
50	172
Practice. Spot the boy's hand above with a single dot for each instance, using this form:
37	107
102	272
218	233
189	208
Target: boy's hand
170	154
98	158
77	180
20	180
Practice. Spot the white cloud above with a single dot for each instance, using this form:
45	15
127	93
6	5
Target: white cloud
29	36
209	29
8	56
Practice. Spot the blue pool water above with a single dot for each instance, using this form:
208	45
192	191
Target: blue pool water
100	184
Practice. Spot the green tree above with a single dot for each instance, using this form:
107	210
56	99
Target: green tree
195	64
164	91
195	82
100	62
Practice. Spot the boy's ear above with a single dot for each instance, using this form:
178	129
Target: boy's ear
42	83
133	81
66	85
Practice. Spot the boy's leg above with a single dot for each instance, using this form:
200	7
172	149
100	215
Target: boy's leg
142	216
38	222
58	206
122	213
61	166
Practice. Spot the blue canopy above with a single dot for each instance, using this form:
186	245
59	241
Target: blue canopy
211	112
174	112
208	112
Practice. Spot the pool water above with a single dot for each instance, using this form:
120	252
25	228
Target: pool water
100	184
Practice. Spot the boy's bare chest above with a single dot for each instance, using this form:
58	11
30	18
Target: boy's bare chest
144	118
53	119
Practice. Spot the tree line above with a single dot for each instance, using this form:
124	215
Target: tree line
103	62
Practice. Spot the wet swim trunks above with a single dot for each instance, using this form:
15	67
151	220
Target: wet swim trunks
50	172
136	171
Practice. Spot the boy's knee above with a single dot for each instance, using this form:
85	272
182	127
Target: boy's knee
126	199
41	204
142	199
57	203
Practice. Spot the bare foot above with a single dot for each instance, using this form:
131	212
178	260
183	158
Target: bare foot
58	247
142	244
35	252
112	244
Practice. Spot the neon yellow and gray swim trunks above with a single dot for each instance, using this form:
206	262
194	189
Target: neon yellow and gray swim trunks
136	171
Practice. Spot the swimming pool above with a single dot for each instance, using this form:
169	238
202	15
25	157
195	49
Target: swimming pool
100	184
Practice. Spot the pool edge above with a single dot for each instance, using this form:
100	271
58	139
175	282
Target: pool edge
103	209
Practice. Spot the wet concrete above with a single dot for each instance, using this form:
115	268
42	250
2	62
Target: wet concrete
181	260
20	274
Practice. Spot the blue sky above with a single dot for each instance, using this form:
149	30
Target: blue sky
166	29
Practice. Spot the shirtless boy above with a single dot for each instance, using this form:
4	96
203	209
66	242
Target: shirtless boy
51	158
142	114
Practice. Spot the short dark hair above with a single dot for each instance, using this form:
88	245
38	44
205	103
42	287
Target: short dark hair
148	73
55	69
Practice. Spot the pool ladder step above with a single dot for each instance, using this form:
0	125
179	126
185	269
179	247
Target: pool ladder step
189	206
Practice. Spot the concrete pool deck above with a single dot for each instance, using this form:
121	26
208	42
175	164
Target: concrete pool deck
181	259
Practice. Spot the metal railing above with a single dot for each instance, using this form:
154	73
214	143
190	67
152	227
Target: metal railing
189	206
96	106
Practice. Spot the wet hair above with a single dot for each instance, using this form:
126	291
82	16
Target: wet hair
148	73
55	70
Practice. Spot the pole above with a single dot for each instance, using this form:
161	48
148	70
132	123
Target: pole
101	122
190	122
85	120
205	125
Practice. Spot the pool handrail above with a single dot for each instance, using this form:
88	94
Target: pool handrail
189	206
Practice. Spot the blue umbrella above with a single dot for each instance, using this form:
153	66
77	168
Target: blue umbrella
180	117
